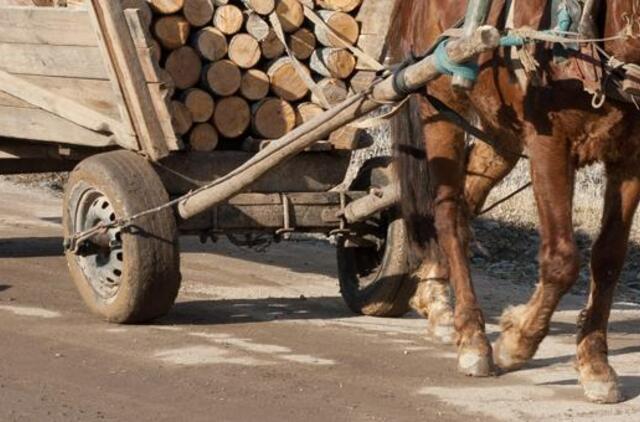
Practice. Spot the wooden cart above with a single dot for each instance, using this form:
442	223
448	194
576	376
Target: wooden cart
78	89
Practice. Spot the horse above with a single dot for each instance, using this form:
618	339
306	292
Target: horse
555	123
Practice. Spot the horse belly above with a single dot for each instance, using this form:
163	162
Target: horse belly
611	136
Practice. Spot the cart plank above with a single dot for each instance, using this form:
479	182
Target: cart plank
96	94
41	25
57	104
7	100
53	60
39	125
123	54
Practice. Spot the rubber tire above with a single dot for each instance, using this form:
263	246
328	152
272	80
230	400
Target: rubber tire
150	279
384	289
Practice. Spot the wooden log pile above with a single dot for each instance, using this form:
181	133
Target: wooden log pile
234	79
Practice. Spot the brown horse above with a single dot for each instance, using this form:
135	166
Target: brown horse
560	130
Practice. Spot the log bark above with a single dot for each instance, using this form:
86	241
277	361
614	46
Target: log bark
345	138
172	31
232	117
211	43
257	27
244	51
255	85
184	66
228	19
273	118
285	81
198	12
223	77
203	137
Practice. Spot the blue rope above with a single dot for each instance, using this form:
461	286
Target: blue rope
512	41
564	19
444	65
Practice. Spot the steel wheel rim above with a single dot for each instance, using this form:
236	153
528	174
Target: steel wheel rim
102	270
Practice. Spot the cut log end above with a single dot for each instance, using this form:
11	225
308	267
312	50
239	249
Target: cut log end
255	85
228	19
198	12
223	78
203	137
285	81
273	118
232	117
244	51
184	66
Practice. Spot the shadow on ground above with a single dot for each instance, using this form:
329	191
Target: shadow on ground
630	385
215	312
31	247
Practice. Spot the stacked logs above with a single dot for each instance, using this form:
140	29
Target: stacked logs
234	78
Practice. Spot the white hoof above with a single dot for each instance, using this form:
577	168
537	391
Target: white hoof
474	364
605	392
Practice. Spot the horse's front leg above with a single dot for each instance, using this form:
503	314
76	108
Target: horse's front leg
525	326
598	378
445	149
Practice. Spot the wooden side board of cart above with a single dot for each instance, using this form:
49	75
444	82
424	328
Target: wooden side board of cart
78	90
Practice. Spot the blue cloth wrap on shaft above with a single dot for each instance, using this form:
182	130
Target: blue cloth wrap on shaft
445	66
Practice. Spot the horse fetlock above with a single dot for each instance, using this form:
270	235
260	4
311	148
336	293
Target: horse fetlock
433	301
440	325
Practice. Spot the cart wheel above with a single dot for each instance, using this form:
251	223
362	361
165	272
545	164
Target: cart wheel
376	280
134	276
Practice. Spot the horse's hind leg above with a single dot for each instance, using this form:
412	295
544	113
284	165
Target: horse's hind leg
524	327
598	378
445	147
486	168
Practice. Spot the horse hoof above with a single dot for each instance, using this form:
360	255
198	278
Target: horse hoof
474	364
604	392
503	357
442	333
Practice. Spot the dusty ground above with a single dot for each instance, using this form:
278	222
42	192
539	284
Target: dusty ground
241	344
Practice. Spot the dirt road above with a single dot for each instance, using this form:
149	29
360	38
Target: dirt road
259	337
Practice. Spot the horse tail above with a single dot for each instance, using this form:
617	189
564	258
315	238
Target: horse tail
413	175
407	133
